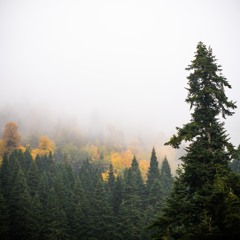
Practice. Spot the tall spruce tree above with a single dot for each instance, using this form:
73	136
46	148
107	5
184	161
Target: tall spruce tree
131	215
102	227
153	171
20	208
166	178
81	222
153	183
117	195
4	218
205	201
111	179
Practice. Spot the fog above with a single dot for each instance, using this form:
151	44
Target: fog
111	63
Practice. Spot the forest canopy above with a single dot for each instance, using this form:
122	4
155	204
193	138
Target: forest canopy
75	187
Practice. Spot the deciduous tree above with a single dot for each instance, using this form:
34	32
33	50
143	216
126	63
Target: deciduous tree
11	137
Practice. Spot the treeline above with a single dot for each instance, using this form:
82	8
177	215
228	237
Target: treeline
100	152
48	199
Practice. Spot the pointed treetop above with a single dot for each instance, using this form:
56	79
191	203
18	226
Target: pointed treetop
206	96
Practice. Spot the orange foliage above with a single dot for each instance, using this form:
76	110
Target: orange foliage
2	147
2	150
11	137
35	152
45	144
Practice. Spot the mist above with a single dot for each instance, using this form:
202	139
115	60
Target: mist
98	65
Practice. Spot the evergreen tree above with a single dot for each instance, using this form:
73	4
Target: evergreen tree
4	218
117	195
33	178
135	178
26	161
36	226
110	186
81	218
205	202
56	226
153	171
89	177
153	183
20	208
131	216
102	227
166	178
5	176
39	162
111	179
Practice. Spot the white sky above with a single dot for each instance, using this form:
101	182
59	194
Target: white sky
122	60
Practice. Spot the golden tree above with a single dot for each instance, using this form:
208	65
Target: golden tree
11	137
45	146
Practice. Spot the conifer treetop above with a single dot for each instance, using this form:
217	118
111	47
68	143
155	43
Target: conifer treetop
206	96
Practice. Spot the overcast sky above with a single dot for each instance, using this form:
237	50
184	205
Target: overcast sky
123	61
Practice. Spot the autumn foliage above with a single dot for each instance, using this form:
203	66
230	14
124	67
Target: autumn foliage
45	146
11	137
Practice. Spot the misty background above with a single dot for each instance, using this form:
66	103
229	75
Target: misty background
97	65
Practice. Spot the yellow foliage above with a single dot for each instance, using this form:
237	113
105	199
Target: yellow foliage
22	148
95	153
45	146
2	147
11	137
105	176
35	152
144	165
121	160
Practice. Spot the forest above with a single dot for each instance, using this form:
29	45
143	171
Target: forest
100	191
43	197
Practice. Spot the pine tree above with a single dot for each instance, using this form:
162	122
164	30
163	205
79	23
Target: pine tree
81	218
36	226
153	182
153	171
131	216
205	202
20	208
5	176
4	218
166	178
89	177
111	178
102	227
56	226
117	195
33	178
135	178
26	161
110	186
